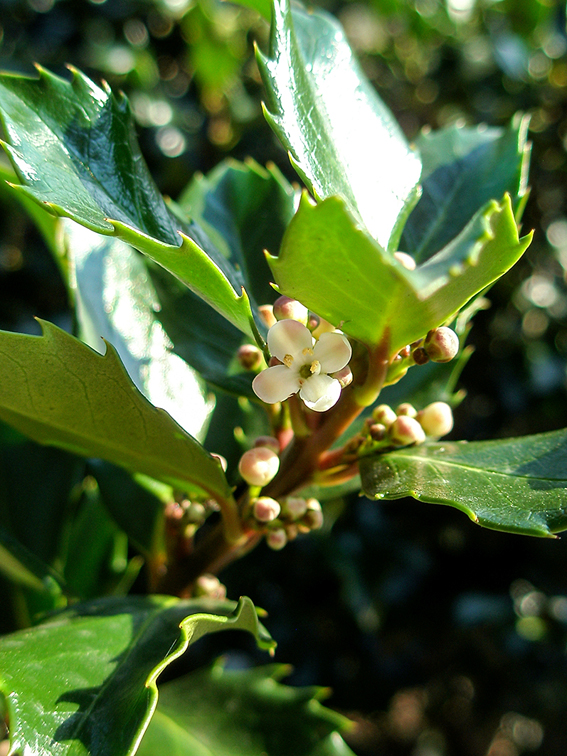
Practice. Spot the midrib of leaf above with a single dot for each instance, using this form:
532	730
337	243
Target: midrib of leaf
480	470
110	678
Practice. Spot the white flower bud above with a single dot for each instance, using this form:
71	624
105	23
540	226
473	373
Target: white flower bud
406	409
286	308
276	539
294	507
209	586
259	466
436	419
406	430
266	509
313	518
441	344
406	260
384	414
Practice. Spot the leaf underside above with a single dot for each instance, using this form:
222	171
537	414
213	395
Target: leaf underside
517	485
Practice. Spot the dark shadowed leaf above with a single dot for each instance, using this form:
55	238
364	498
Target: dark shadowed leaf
215	712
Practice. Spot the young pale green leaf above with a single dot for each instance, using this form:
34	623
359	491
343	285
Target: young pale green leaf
60	392
84	682
342	139
464	168
74	149
115	300
243	713
518	485
339	272
245	209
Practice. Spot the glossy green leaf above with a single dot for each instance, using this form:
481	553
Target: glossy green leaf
518	485
116	300
245	209
84	682
339	272
60	392
463	168
216	712
342	139
74	149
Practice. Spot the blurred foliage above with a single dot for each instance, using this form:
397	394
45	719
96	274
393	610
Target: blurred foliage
438	638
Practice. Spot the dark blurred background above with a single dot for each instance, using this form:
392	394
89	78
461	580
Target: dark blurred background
437	637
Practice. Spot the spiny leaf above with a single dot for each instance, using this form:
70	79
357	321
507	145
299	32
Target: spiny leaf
518	485
243	713
74	149
343	275
84	682
60	392
342	139
463	168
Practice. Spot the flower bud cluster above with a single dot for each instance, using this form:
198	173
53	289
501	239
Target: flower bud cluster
283	521
440	345
406	426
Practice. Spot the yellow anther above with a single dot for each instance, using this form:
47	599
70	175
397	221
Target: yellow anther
315	367
307	351
288	360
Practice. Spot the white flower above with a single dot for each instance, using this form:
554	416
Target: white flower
305	367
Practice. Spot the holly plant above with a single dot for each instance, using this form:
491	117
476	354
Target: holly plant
241	356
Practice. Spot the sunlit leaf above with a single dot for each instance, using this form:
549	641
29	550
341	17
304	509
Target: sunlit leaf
342	139
74	149
518	485
343	275
84	682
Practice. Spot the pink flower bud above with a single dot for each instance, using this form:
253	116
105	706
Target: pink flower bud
344	376
436	419
269	442
405	431
266	509
259	466
267	314
384	414
249	357
286	308
406	409
276	539
441	344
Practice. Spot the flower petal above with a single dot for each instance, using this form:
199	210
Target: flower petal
275	384
320	392
289	337
333	351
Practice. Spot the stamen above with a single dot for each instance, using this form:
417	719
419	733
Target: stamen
288	360
307	351
315	367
